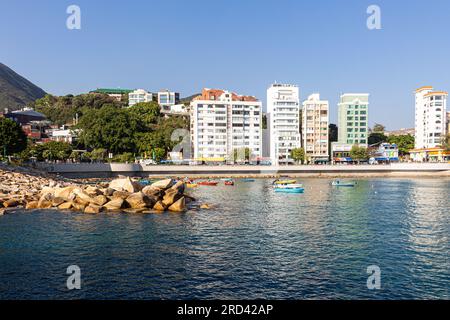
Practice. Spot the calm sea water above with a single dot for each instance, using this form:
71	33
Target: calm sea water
253	244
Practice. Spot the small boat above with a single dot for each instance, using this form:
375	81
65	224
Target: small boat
248	180
229	183
284	182
226	179
339	183
289	188
191	185
208	183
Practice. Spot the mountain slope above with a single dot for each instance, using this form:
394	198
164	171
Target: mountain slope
15	90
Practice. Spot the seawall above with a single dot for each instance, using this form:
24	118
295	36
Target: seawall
107	170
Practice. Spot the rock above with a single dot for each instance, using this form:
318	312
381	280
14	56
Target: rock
44	204
92	191
100	200
81	201
78	206
65	205
93	209
47	190
205	206
171	197
179	187
162	184
159	206
121	194
57	201
2	212
125	184
32	205
67	193
10	203
179	206
152	191
108	192
139	200
83	196
115	204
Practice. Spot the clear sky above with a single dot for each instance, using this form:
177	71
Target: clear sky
242	45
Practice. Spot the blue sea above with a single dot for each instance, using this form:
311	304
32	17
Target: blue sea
252	244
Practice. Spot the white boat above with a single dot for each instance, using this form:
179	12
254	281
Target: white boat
339	183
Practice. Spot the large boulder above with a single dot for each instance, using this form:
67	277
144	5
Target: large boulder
114	205
170	197
93	209
121	194
152	191
10	203
162	184
78	206
67	193
99	200
83	195
178	206
92	191
179	187
139	200
159	206
65	206
125	184
32	205
57	201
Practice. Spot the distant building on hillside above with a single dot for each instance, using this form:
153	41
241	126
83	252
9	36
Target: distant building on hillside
167	98
401	132
114	93
138	96
25	116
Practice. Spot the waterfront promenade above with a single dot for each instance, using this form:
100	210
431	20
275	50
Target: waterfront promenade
100	170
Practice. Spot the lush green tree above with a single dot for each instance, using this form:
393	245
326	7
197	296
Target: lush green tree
378	128
109	128
298	155
376	137
158	154
405	143
54	150
124	157
12	138
359	153
145	114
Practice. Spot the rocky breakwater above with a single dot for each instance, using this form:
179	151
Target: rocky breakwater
20	190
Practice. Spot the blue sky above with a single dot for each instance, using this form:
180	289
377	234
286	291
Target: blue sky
242	45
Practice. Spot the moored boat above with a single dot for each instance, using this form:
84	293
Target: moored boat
289	188
191	185
284	182
339	183
248	180
229	183
208	183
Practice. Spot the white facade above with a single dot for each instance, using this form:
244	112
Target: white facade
315	120
283	109
431	122
168	98
138	96
222	122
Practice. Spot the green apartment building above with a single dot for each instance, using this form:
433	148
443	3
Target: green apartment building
353	119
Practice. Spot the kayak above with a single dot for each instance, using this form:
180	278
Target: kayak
191	185
208	183
248	180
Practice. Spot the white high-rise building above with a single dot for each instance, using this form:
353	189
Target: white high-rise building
283	109
222	122
431	122
315	120
138	96
353	119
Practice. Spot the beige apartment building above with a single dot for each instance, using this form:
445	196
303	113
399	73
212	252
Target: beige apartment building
315	121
